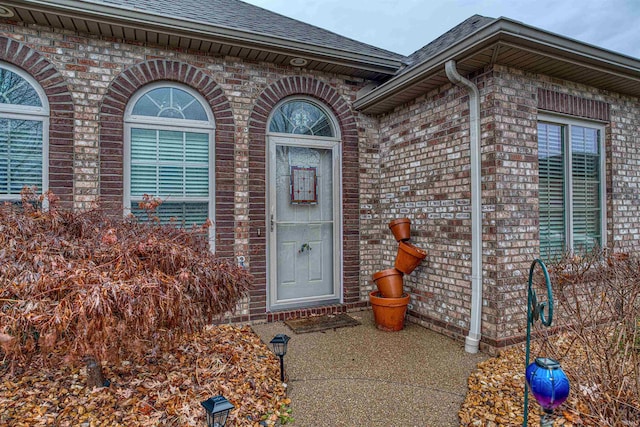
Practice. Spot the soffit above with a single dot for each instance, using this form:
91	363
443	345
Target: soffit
142	27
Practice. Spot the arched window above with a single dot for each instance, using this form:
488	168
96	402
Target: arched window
24	130
301	117
169	134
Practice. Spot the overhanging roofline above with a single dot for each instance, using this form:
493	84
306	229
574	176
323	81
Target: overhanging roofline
514	33
137	18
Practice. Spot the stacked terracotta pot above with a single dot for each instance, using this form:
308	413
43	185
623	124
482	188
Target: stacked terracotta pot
389	302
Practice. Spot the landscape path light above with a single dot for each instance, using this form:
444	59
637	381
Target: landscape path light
217	409
279	344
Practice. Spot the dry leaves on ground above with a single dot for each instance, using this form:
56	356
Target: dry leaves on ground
163	389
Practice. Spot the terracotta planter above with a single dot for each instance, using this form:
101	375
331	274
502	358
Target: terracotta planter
389	282
401	229
388	313
409	256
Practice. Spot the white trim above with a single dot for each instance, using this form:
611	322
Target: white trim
169	124
32	113
566	123
322	143
330	143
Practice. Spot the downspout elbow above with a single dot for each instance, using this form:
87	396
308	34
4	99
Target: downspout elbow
455	78
472	341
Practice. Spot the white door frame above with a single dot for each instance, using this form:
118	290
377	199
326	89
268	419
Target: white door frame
333	144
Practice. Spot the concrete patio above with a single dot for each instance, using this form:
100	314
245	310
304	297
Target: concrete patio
360	376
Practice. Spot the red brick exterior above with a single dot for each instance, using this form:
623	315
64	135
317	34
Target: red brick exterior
61	114
257	183
111	120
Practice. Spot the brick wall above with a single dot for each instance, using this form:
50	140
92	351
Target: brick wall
424	175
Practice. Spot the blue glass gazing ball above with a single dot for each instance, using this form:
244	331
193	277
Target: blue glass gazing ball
548	383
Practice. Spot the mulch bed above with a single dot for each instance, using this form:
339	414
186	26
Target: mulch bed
164	389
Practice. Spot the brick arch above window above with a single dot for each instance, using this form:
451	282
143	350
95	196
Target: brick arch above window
258	122
60	114
112	136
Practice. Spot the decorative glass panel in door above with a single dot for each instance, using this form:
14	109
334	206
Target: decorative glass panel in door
302	218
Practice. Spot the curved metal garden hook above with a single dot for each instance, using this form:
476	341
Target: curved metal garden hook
535	311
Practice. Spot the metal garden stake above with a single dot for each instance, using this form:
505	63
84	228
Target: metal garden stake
548	383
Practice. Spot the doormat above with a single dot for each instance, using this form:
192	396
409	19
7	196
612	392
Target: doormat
321	323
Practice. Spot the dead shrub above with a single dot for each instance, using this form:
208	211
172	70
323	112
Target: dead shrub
84	284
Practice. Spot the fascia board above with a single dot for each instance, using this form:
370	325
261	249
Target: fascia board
143	20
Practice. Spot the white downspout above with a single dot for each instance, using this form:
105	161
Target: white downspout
472	341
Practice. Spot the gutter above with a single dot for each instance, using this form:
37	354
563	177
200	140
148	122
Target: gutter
472	341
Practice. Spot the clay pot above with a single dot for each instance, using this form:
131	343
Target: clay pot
389	282
401	229
389	313
408	257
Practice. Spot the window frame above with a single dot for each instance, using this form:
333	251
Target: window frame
566	123
33	113
170	124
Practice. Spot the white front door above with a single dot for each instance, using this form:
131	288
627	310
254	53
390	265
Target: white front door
304	218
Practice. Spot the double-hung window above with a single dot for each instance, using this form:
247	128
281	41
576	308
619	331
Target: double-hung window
24	130
571	185
169	154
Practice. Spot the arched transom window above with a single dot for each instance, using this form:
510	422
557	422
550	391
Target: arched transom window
169	154
301	117
24	128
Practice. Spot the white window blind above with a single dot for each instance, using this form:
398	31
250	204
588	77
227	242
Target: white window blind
585	168
169	156
551	190
570	187
173	166
20	155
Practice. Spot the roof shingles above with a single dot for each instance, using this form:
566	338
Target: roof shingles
448	39
242	16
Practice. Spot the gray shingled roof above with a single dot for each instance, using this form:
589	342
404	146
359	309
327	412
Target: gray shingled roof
448	39
242	16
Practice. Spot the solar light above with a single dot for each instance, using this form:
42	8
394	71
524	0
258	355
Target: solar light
217	409
548	384
279	344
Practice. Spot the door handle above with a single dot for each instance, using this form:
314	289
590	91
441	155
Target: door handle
272	222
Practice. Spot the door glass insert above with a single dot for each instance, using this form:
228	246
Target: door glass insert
304	221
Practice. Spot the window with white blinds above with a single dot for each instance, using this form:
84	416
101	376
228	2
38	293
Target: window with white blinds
169	155
571	187
23	134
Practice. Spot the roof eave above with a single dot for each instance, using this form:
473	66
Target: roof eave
139	19
514	32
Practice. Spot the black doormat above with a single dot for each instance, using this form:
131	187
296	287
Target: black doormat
321	323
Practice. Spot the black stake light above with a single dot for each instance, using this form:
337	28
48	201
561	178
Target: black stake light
279	344
217	409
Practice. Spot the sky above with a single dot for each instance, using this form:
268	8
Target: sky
404	26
